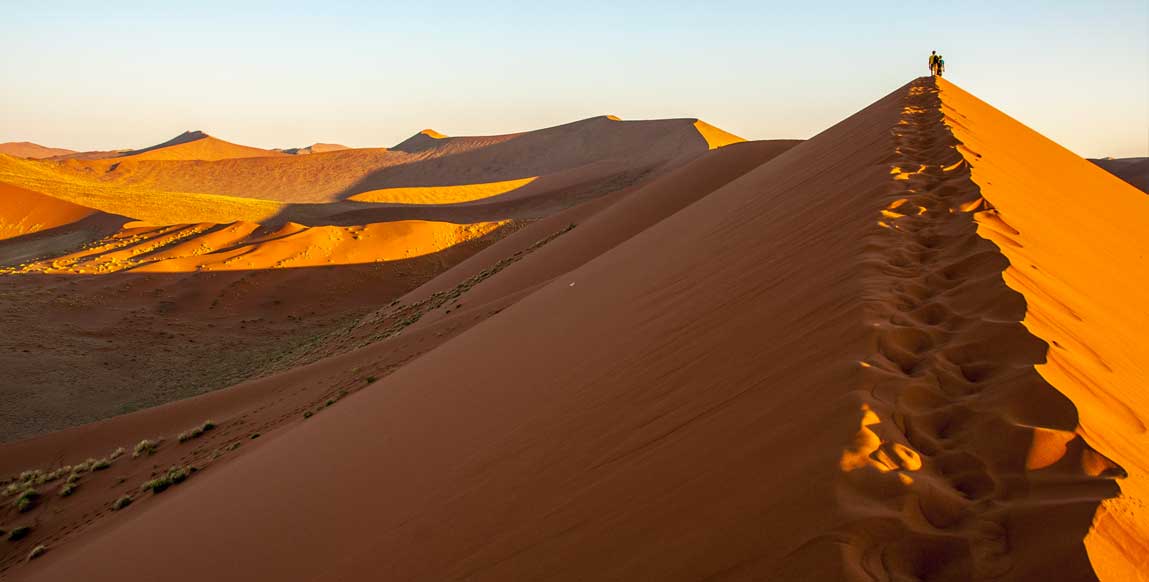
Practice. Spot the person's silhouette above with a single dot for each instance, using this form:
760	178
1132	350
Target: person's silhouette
934	58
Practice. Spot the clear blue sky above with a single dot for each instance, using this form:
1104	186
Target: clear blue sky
87	75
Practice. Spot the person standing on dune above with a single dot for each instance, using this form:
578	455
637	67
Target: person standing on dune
940	66
933	62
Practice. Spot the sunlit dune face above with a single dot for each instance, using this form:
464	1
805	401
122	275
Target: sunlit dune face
454	194
1074	241
869	450
715	138
187	248
25	212
151	205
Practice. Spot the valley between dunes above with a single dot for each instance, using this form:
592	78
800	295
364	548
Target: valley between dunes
910	347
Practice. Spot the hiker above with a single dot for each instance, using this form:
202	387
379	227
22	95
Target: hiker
940	65
934	62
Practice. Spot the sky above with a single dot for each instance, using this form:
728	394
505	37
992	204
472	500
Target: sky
117	74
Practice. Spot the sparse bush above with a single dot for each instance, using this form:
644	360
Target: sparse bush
145	447
101	464
68	489
122	502
307	414
175	475
116	454
329	402
73	478
255	435
196	432
27	500
372	379
18	533
37	552
83	467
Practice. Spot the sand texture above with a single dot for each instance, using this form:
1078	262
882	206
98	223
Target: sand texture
908	348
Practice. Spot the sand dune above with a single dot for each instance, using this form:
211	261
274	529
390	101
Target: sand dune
315	148
901	350
266	407
837	364
246	246
1081	264
27	149
582	160
24	212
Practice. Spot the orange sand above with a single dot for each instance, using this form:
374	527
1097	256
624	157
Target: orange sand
25	212
900	350
1074	239
441	194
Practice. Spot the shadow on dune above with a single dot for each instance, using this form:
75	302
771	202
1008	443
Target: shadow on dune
80	348
563	148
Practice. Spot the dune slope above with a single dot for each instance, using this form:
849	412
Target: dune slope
1074	238
817	371
417	323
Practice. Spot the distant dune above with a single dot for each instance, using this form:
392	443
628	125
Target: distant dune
196	145
315	148
29	150
581	160
1135	171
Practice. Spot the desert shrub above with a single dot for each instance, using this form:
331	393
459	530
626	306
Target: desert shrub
196	432
255	435
372	379
308	414
175	475
68	489
101	464
116	454
27	500
122	502
37	552
145	447
19	533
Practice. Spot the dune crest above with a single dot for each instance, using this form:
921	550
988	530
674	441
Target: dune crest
715	138
196	145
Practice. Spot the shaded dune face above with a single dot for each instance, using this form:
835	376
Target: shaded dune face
864	358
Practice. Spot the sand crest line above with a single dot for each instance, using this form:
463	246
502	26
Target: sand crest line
958	430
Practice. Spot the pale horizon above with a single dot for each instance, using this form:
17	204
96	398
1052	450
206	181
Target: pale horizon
275	75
